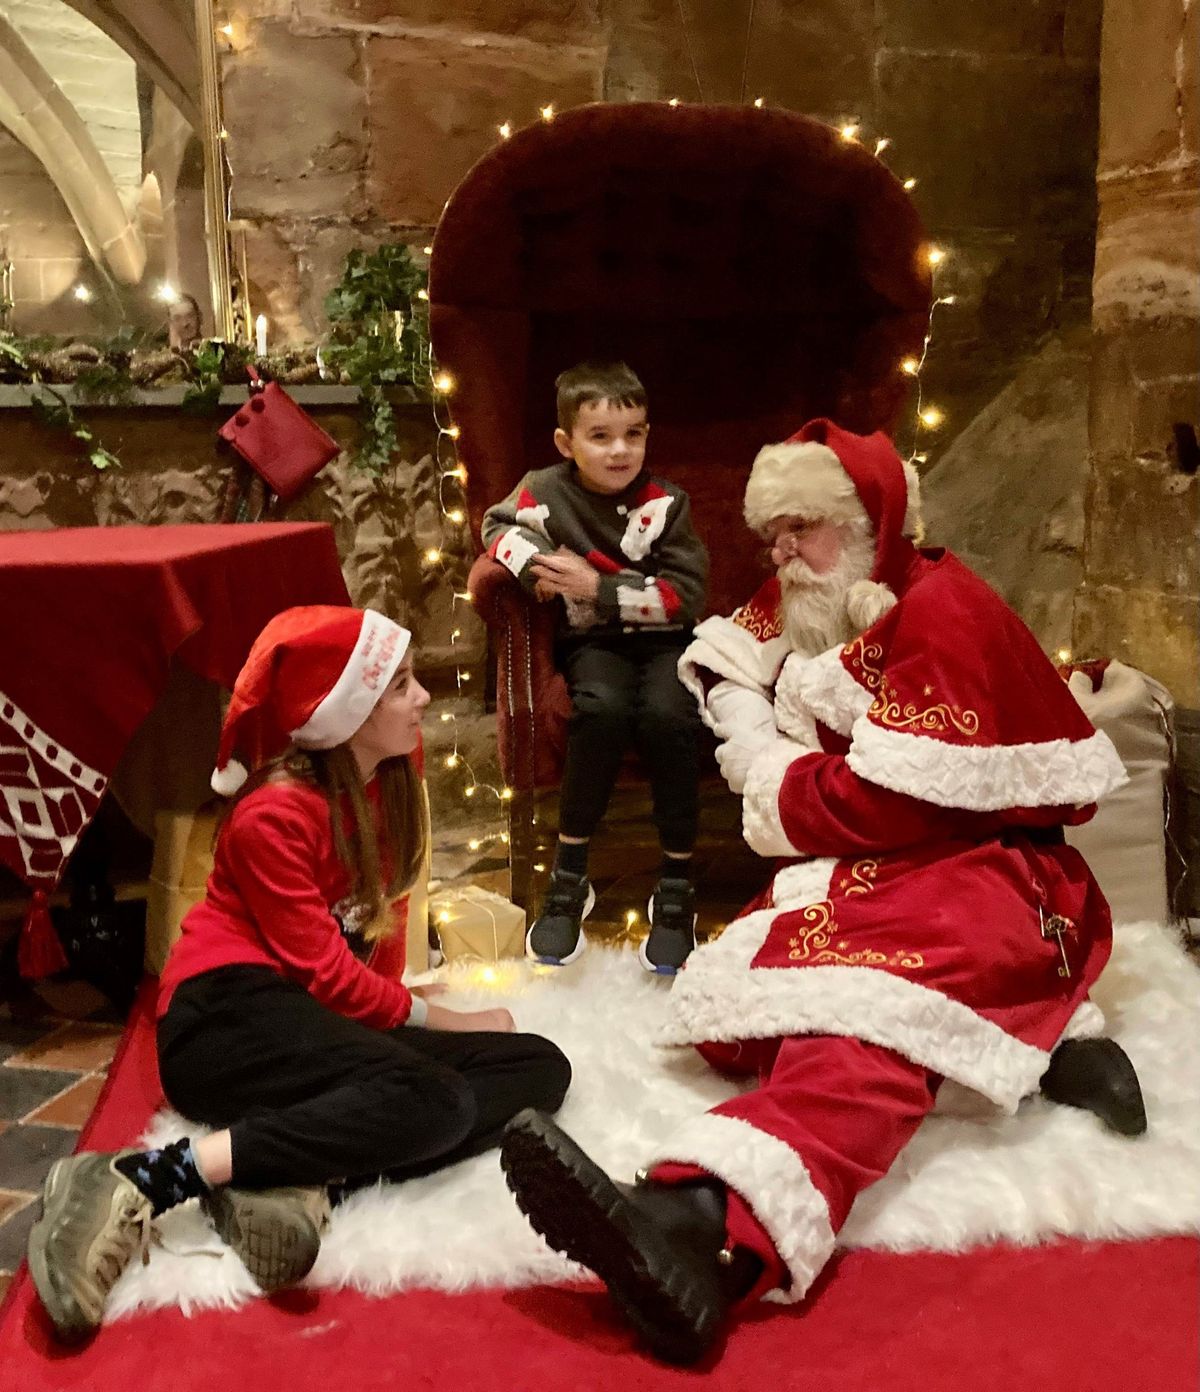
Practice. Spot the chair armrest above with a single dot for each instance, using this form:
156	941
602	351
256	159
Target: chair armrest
493	590
532	705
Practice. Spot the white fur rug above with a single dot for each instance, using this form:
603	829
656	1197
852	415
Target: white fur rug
1049	1170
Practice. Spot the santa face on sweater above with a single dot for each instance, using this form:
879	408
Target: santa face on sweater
607	443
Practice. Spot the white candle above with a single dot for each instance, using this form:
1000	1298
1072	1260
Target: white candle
260	335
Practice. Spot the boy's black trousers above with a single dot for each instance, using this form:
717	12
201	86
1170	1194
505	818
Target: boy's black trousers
625	690
310	1096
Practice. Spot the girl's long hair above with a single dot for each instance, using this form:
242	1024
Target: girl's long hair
375	879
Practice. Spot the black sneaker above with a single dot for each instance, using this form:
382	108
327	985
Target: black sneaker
556	937
672	914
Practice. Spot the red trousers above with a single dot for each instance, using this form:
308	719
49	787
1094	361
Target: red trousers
845	1107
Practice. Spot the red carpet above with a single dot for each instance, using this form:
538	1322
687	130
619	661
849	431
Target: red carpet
1066	1317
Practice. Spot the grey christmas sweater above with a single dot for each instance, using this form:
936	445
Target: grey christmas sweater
651	563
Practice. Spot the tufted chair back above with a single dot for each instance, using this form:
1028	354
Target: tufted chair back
751	266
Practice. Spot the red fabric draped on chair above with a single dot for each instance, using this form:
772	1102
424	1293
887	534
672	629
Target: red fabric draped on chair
754	269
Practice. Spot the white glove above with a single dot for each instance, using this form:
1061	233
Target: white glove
735	756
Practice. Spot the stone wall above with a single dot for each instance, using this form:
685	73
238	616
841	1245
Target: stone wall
1140	598
171	472
379	108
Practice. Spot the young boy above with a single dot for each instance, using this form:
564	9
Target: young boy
618	548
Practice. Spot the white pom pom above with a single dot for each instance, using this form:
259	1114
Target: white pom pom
226	781
867	603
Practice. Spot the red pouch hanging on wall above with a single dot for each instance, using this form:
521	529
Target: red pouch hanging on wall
284	446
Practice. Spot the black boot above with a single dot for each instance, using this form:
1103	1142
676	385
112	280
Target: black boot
1097	1075
658	1248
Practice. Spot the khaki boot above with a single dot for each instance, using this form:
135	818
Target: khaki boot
276	1232
92	1222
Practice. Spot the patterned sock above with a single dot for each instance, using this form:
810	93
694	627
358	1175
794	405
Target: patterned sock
167	1177
571	857
676	867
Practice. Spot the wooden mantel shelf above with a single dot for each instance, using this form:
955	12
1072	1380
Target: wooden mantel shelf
19	395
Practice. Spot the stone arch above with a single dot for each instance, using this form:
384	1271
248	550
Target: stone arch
160	36
34	108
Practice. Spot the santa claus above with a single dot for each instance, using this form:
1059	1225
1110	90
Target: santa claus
910	756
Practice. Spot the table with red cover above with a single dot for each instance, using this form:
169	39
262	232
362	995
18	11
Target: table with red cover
90	620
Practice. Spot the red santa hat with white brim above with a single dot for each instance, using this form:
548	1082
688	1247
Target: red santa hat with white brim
312	677
825	473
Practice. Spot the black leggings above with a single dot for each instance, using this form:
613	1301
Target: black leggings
310	1097
626	690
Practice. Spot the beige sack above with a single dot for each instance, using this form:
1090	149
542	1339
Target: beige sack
183	858
1125	842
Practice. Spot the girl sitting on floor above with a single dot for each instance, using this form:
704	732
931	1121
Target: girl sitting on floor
314	1067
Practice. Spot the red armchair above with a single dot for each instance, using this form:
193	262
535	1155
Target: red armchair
754	268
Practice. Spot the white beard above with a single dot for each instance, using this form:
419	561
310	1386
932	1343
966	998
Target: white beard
815	617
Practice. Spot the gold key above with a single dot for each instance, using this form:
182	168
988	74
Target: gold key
1055	926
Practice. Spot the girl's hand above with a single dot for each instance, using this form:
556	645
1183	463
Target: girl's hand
468	1021
434	988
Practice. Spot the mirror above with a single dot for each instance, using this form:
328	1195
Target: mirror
112	179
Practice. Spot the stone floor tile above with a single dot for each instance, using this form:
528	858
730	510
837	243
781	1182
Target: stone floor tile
27	1152
83	1047
73	1107
14	1234
22	1090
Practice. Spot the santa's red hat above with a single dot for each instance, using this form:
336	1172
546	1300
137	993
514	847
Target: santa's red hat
823	472
312	677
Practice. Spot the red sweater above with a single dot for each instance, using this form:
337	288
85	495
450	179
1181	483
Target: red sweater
269	903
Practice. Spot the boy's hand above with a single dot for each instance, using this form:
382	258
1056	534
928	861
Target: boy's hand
564	573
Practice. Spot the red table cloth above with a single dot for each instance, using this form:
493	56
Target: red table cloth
90	619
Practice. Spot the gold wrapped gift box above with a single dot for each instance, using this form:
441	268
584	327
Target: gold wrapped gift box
475	924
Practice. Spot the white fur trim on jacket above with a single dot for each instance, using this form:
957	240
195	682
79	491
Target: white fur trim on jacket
824	686
762	827
772	1179
728	650
720	997
1051	773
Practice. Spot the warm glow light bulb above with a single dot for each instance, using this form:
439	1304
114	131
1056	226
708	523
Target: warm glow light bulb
464	594
911	366
673	102
427	250
422	294
948	299
469	792
474	845
453	431
758	101
227	30
167	293
547	112
464	676
443	916
506	794
630	917
433	555
935	255
451	760
504	838
849	131
456	515
931	417
910	184
446	716
443	382
505	129
881	145
82	293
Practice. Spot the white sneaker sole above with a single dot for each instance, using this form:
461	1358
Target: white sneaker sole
577	951
644	959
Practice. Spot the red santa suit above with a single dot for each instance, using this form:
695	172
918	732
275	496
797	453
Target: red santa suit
925	921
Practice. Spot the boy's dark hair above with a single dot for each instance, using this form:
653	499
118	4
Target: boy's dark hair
587	382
